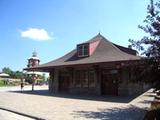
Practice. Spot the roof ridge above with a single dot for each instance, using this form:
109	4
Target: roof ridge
107	41
118	46
93	39
101	38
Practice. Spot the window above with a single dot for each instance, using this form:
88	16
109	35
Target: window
81	78
92	79
83	50
84	75
78	79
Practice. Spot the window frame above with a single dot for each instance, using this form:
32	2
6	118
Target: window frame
91	79
78	83
83	50
81	79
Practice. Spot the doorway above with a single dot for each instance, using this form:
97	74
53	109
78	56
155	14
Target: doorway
110	82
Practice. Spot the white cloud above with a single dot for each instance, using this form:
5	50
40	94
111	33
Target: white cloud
36	34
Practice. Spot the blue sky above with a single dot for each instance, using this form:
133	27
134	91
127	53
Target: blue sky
54	27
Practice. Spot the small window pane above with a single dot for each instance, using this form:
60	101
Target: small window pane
85	50
79	50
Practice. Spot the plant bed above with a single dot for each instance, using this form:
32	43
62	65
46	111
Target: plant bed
154	112
152	115
155	104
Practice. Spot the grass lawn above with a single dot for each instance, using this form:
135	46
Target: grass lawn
2	83
10	83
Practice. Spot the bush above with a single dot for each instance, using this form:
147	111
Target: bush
14	83
11	83
1	83
154	113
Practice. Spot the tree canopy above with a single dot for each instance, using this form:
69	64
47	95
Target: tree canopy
152	28
13	74
152	42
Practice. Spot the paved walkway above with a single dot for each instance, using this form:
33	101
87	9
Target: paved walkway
5	115
53	107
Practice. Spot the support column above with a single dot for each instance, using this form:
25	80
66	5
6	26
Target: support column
51	81
54	81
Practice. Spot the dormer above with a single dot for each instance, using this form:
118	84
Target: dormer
83	50
87	49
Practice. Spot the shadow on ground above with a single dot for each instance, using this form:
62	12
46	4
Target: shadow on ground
117	99
112	114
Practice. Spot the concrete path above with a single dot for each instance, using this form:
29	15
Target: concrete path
5	115
26	88
43	105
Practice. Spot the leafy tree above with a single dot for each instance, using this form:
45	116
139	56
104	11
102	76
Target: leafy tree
151	41
7	70
18	74
152	28
13	74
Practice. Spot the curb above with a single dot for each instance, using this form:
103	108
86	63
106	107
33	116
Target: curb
26	115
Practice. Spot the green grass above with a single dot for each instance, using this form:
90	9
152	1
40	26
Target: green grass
2	83
9	83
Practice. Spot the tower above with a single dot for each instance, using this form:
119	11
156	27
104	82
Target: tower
33	76
34	60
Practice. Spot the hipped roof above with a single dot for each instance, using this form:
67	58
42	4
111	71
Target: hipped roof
106	51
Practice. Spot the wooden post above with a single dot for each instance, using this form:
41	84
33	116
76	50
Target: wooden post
33	81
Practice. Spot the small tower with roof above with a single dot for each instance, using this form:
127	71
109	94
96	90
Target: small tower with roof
34	60
33	77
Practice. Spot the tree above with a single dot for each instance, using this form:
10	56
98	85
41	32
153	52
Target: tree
44	77
152	28
13	74
7	70
18	74
151	40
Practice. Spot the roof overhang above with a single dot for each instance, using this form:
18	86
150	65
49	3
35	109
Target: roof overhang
42	68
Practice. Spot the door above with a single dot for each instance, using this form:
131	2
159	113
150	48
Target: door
110	82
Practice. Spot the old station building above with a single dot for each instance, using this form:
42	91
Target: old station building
98	67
